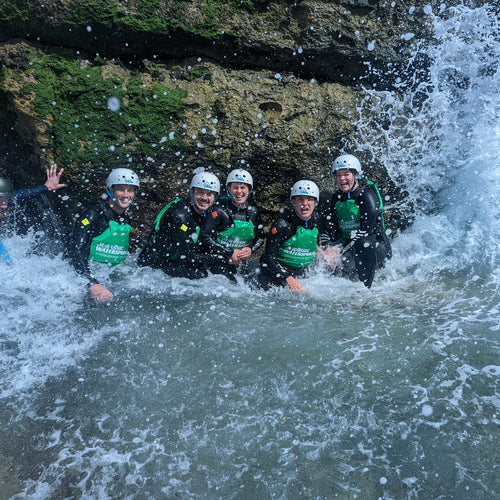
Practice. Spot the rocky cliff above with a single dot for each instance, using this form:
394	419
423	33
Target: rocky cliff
166	86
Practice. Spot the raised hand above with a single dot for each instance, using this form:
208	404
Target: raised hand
53	178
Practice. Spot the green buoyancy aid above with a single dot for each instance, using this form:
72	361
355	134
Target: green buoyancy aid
240	235
300	249
194	236
112	245
348	217
348	213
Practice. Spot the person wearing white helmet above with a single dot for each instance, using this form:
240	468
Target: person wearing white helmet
294	240
173	243
102	234
9	197
358	224
234	227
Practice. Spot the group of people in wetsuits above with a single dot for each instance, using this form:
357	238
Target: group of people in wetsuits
207	233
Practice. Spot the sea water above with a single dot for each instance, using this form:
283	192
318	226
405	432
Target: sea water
207	389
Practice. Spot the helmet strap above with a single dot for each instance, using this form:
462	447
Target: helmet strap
356	179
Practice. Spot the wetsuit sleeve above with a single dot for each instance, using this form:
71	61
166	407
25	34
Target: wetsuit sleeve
333	224
26	194
260	234
216	222
86	228
280	231
369	208
325	231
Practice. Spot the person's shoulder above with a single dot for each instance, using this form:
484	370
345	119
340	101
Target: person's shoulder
366	189
93	211
222	206
318	216
283	220
90	217
253	210
176	206
336	196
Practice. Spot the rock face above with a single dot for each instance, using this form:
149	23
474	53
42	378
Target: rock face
165	87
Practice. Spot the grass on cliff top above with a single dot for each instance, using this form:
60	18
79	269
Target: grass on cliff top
85	127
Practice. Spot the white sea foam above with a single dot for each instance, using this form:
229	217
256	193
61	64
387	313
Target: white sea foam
205	388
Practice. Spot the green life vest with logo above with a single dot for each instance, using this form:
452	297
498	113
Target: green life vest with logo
177	255
240	235
112	245
300	249
348	213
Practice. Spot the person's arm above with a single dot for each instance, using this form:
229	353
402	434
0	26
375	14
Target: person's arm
369	208
177	235
93	224
325	231
51	184
329	251
216	222
86	228
28	193
280	232
260	233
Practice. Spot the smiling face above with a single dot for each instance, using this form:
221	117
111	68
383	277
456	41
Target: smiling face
345	180
239	192
203	199
304	206
124	195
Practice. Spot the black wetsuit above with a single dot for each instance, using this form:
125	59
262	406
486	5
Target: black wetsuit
174	247
28	193
272	272
21	195
93	223
221	218
371	251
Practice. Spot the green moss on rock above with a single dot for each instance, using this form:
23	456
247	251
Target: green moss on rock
101	121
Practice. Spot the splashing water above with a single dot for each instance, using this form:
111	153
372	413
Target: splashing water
210	390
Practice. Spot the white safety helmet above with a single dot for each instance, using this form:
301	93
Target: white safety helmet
305	188
240	175
205	180
347	161
122	176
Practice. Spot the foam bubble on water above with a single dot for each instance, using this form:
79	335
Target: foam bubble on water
493	370
427	410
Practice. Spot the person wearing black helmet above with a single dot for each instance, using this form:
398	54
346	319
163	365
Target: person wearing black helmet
173	243
9	196
103	233
358	222
234	227
295	239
